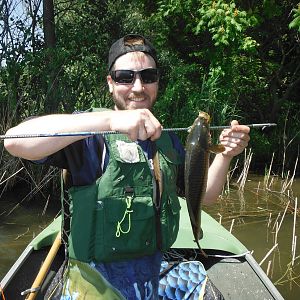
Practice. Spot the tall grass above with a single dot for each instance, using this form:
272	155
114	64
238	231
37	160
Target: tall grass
15	171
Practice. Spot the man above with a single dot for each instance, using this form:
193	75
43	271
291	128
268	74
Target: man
121	220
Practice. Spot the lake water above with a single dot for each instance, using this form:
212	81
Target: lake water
19	227
251	215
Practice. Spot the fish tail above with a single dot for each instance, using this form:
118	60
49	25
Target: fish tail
201	250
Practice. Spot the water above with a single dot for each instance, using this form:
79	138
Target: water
20	227
252	216
254	211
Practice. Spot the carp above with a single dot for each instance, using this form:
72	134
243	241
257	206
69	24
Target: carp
198	147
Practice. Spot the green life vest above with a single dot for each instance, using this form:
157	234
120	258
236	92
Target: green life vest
115	218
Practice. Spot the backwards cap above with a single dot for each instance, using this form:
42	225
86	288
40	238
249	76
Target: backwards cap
130	43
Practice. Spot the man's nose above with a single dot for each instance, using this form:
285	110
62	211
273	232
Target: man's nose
137	83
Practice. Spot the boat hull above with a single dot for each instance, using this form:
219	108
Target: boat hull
229	264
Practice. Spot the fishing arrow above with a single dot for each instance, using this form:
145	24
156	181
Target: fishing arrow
89	133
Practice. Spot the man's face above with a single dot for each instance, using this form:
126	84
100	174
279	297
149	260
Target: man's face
135	95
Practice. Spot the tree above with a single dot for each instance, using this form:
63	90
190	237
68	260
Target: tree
49	24
52	98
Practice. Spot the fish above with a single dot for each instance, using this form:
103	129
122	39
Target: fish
198	148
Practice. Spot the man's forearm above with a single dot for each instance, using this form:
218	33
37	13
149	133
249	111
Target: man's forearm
137	124
217	175
37	148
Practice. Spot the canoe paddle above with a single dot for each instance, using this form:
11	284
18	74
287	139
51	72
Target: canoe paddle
89	133
33	291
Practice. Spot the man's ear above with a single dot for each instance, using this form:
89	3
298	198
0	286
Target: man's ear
110	83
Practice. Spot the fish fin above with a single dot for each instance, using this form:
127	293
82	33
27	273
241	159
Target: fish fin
216	148
157	172
205	115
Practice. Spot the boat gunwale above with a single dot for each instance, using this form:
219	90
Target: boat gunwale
16	266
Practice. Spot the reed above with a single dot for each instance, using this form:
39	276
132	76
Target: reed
294	238
285	210
248	214
268	254
229	176
6	165
269	220
258	188
276	233
294	249
220	218
286	145
269	267
11	176
46	206
231	226
267	176
244	174
289	275
46	179
276	221
14	170
232	171
226	188
22	234
2	177
287	183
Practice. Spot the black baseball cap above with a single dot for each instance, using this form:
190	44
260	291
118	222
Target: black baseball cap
130	43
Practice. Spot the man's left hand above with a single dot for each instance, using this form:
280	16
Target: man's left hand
234	139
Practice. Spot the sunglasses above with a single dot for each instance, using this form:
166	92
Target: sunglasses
128	76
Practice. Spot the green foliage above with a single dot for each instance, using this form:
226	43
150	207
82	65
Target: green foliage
188	90
213	36
226	24
218	24
271	9
295	24
181	99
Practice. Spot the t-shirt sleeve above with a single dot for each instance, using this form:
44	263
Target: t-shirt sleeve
82	159
66	157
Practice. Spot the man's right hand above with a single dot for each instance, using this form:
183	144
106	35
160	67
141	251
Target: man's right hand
137	124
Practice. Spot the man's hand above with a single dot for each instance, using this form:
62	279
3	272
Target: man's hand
235	139
137	124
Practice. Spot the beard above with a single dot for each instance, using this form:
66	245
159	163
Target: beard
133	101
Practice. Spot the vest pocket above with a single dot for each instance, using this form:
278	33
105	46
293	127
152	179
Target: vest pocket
81	238
125	228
